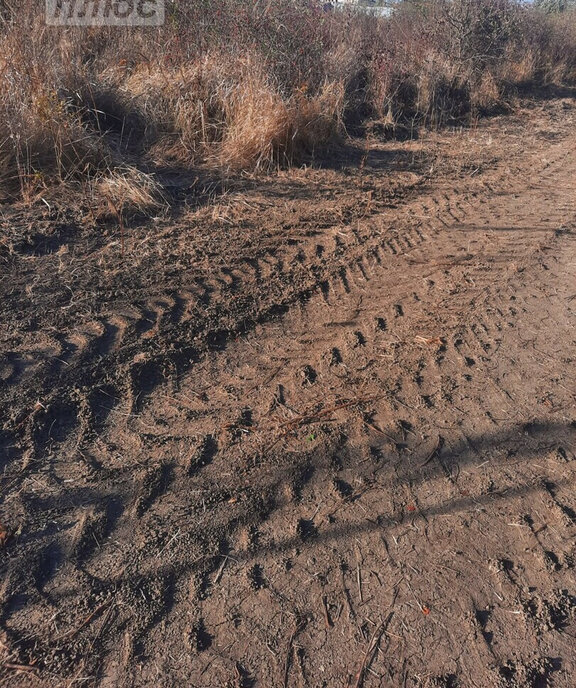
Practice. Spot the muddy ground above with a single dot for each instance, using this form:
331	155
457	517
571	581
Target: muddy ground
318	429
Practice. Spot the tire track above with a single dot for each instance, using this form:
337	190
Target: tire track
213	444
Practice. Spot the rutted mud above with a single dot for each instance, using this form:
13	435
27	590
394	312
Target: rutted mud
319	433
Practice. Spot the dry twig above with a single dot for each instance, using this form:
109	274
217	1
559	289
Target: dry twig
298	627
371	651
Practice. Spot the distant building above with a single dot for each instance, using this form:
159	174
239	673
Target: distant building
378	8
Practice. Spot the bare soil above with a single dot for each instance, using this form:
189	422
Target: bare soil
319	431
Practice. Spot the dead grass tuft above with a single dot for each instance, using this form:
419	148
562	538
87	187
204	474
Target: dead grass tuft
264	130
129	191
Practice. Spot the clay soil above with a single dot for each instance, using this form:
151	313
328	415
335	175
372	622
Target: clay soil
317	429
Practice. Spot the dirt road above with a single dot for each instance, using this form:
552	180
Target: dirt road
319	432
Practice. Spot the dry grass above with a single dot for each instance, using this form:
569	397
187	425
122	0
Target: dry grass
228	113
264	130
129	191
261	87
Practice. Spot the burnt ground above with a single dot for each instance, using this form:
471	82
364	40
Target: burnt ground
317	430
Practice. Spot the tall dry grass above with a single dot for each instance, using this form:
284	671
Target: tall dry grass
230	85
